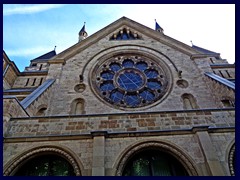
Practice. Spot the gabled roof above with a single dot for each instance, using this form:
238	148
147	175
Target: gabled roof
5	56
46	56
115	26
202	50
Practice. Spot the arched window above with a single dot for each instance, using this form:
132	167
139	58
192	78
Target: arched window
189	102
46	165
153	163
130	81
77	106
227	102
41	112
125	34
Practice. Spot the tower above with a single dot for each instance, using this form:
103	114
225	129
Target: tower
82	33
158	27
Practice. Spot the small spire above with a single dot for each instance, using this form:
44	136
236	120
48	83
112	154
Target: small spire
158	27
82	33
191	42
55	48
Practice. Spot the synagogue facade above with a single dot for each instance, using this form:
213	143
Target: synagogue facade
125	101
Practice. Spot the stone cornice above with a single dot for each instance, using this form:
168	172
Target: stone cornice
198	56
57	61
129	113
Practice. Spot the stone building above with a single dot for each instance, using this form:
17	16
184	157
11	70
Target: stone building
125	101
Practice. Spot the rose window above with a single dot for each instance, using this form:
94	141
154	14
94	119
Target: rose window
130	81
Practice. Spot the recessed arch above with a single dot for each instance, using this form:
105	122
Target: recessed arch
162	146
189	101
41	110
14	164
230	157
154	59
78	106
227	101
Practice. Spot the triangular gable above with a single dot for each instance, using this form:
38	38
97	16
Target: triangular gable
46	56
113	28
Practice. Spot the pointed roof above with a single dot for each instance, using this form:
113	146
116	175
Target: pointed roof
157	26
46	56
83	30
202	50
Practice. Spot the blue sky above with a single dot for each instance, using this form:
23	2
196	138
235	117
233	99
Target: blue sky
31	30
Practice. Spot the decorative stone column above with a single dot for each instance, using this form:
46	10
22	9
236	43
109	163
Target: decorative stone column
98	162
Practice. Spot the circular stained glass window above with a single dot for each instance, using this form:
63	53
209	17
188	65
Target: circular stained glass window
130	81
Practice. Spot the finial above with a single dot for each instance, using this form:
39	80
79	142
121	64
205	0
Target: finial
84	23
55	48
191	42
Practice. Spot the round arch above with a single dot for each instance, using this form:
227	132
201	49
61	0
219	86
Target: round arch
148	54
163	146
13	165
40	111
230	157
77	106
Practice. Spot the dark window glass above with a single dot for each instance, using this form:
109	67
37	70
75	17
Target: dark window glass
142	66
228	103
107	86
34	80
116	96
115	67
132	100
27	82
47	165
147	95
128	63
130	81
151	73
154	85
154	163
108	75
125	36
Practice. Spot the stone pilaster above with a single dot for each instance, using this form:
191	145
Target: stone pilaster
212	161
98	162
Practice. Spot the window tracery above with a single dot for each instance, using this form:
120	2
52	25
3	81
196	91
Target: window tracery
125	34
130	81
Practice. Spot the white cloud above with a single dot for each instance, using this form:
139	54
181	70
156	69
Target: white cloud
29	52
9	9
